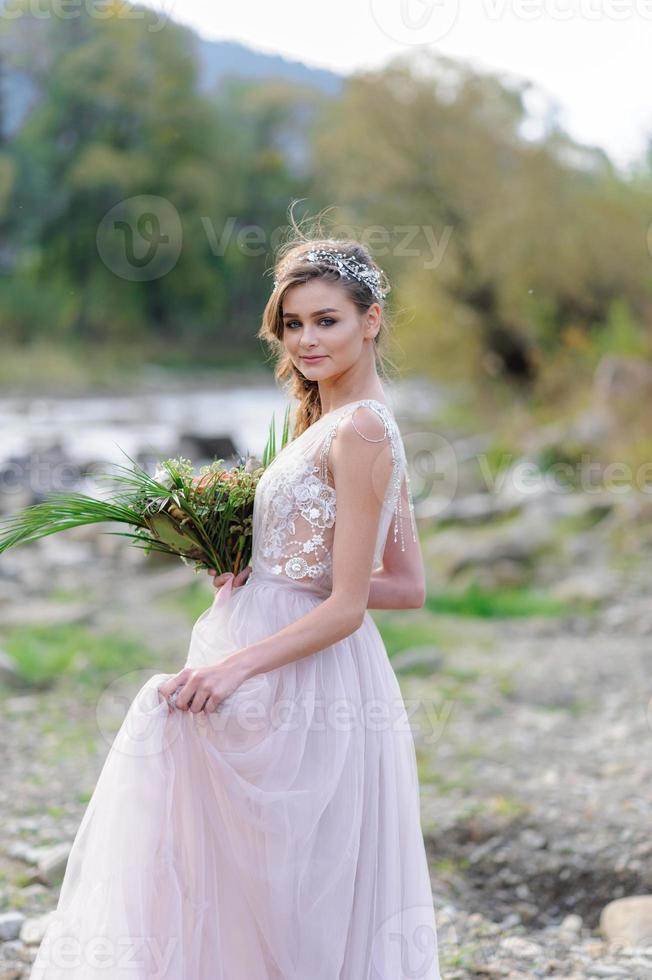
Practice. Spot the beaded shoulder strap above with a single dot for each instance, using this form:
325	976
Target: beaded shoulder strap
391	431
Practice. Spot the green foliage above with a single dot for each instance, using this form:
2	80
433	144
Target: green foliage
270	446
506	255
120	119
621	333
207	520
496	604
399	636
497	246
193	600
45	654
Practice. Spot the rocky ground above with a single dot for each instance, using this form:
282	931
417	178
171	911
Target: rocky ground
532	736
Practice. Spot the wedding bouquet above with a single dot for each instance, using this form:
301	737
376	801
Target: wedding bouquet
205	520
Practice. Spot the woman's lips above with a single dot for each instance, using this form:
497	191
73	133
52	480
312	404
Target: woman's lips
317	357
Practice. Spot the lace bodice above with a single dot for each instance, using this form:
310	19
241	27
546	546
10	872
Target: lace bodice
295	504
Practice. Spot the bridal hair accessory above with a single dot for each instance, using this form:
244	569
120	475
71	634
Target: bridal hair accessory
348	267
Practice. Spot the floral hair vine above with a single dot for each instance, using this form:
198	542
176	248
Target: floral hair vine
348	267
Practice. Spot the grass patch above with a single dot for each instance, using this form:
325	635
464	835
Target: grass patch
59	594
192	600
399	636
450	866
476	601
575	708
45	654
462	674
506	685
570	524
429	775
507	807
21	879
82	367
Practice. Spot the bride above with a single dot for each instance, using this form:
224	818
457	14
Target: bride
257	816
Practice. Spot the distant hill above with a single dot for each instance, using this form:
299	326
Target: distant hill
215	59
219	58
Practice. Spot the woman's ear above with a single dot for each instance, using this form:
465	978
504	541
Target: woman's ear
372	324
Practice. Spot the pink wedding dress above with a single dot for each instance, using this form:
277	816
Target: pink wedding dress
278	838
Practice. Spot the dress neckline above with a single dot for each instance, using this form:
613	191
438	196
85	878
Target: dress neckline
356	401
326	415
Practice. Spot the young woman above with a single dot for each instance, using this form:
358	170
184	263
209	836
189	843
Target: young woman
258	815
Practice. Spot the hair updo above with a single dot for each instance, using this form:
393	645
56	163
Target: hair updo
292	268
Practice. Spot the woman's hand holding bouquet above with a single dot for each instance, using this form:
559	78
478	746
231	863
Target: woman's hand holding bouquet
239	579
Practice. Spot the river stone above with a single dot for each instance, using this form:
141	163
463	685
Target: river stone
10	925
33	930
11	971
52	863
571	926
8	672
45	613
586	586
628	921
422	659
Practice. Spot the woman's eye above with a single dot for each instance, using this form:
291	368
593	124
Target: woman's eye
324	319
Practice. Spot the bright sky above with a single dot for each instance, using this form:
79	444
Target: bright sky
592	57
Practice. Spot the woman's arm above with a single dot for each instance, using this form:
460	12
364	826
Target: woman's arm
390	591
401	582
361	472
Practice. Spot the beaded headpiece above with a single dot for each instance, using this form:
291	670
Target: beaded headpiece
348	267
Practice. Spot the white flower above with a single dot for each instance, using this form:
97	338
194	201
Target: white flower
162	476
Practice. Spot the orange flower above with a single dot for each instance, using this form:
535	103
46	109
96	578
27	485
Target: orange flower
201	482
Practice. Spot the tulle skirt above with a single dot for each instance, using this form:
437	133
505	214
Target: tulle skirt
275	839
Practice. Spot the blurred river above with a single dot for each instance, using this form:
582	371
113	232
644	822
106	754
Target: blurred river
58	443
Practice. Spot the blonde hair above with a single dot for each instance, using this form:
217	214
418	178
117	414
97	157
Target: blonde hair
292	268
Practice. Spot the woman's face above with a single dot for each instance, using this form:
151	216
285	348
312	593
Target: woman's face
323	331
